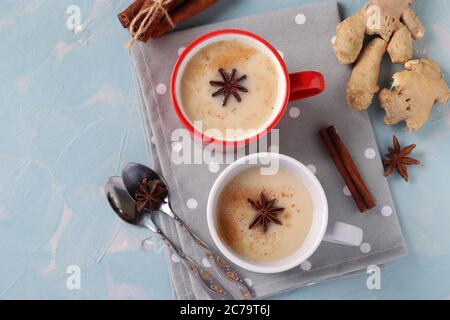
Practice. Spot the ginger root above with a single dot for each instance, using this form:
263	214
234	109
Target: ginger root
378	17
392	20
363	84
400	47
349	38
415	92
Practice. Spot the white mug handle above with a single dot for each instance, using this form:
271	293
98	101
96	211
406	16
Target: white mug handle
345	234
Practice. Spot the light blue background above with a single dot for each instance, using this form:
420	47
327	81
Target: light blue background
69	119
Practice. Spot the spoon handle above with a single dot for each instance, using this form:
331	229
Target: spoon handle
222	266
204	278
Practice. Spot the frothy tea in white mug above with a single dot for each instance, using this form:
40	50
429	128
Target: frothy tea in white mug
230	84
250	195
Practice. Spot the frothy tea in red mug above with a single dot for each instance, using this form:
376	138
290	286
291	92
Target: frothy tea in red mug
230	84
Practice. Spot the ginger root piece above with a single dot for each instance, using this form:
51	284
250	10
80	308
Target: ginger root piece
400	47
415	92
412	22
384	16
377	17
350	38
363	83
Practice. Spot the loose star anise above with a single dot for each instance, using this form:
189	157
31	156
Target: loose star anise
267	212
398	159
229	86
150	195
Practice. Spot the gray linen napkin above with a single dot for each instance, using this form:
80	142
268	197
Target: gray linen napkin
304	35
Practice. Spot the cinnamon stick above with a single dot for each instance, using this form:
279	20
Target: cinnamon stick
183	12
324	135
126	16
351	168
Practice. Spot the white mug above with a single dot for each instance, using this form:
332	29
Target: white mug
340	233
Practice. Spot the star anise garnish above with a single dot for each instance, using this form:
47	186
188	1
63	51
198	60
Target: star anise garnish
398	159
229	86
267	212
150	195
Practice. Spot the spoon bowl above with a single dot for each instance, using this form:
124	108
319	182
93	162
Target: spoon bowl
133	173
124	205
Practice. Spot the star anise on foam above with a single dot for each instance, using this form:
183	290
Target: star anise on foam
267	212
398	159
229	86
150	195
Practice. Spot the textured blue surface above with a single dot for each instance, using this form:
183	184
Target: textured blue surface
69	119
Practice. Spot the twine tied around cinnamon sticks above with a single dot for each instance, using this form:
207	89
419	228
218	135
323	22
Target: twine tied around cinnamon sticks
146	17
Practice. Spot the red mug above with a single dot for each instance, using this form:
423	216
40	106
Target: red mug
294	86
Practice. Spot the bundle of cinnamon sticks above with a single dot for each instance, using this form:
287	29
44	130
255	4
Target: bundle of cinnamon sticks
165	15
347	169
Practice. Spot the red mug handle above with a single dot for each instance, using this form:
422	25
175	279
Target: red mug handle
306	84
